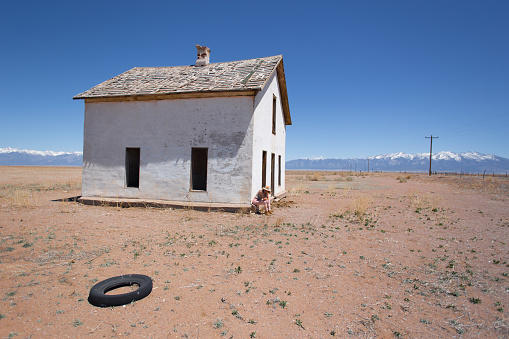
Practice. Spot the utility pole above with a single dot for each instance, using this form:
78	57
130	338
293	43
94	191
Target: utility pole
430	150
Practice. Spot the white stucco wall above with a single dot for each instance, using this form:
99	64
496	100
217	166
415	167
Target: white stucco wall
165	131
264	140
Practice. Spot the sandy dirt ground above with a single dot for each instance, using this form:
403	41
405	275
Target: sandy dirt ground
344	255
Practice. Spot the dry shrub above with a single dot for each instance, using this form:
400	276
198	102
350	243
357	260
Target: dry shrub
425	201
316	177
297	190
331	189
359	205
402	178
188	214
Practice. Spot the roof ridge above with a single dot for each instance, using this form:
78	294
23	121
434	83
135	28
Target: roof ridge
212	63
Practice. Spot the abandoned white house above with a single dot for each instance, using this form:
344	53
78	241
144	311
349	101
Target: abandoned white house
209	134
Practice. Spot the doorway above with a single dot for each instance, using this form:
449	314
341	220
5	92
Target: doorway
264	168
272	172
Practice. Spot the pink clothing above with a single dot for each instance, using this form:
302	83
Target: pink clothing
258	200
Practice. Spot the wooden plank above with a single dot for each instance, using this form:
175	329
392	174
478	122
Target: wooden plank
172	96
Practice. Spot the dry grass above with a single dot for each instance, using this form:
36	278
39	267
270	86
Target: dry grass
359	205
316	177
490	185
497	185
22	198
404	178
27	195
297	190
426	200
331	190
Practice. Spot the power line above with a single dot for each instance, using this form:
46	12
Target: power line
478	129
476	125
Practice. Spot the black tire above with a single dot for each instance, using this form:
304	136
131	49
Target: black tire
98	296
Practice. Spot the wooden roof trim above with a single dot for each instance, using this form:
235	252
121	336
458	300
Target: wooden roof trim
171	96
284	93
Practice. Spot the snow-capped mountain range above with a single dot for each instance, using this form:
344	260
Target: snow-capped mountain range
16	157
468	162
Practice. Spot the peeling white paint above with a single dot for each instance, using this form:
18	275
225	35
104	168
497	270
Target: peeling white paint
234	129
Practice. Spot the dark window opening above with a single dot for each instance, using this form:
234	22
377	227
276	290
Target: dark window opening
272	172
199	158
274	105
264	168
279	171
132	167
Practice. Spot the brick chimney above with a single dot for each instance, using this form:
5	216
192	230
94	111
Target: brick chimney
203	56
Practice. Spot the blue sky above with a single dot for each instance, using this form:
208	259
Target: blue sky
363	77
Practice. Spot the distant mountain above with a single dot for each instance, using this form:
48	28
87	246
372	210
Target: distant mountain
469	162
15	157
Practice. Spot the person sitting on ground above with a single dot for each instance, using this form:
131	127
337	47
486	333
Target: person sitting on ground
262	198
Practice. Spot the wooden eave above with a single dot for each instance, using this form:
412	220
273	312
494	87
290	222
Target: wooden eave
170	96
284	93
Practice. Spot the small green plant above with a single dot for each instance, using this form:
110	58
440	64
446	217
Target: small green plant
77	322
252	335
298	322
475	300
238	270
218	323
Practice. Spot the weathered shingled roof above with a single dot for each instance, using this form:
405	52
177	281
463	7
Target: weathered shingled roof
236	76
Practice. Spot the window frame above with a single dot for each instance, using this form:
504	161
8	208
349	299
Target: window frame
274	115
199	177
132	167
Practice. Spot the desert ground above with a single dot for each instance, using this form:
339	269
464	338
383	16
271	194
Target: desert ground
345	255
